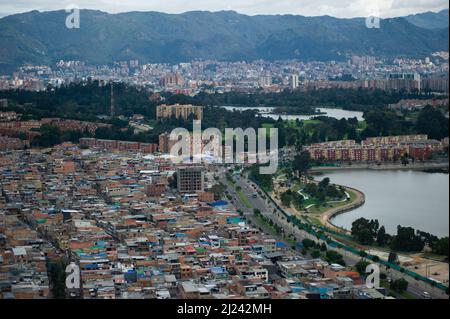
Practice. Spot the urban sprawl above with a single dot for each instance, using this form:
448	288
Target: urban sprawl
139	226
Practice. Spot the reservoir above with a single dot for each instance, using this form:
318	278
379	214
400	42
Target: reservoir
408	198
330	112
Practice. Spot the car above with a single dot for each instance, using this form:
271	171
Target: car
426	295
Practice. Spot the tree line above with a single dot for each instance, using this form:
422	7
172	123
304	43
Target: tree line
407	239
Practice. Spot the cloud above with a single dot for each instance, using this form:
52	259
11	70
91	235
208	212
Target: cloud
337	8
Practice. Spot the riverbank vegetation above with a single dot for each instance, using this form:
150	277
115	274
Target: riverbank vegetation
407	239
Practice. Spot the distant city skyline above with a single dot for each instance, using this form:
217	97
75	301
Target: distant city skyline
340	9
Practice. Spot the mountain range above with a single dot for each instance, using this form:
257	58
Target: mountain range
153	37
430	20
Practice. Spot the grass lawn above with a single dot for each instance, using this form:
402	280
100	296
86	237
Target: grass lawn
313	220
362	125
311	122
326	206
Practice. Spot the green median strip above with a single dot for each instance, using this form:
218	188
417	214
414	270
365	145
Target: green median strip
244	199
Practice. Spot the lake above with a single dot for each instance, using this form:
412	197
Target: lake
407	198
268	112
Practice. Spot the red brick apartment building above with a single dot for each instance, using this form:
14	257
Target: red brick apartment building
377	149
113	145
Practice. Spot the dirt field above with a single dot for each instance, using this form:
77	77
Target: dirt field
436	270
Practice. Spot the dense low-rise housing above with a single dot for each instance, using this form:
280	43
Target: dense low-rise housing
116	217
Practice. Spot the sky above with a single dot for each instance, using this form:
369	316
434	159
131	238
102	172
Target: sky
336	8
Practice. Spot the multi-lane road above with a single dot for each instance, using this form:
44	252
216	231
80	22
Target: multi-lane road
268	209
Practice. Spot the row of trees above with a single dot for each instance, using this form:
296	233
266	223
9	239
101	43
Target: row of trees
378	122
83	101
368	232
350	99
264	180
88	100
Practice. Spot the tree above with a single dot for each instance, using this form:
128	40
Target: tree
364	230
315	253
263	180
301	163
399	285
334	257
432	122
308	243
50	136
361	266
364	237
173	181
57	276
407	240
286	198
381	236
393	258
440	246
324	183
311	189
218	190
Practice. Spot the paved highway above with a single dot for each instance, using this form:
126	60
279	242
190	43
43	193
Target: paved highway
415	287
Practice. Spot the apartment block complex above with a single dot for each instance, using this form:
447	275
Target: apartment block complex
376	149
179	111
113	145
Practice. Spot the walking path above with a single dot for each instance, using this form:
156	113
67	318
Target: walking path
326	216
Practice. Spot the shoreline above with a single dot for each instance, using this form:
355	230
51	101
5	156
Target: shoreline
416	167
328	215
326	218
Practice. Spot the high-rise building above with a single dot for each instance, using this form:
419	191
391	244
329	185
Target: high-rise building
190	179
265	80
435	84
178	110
172	80
294	81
